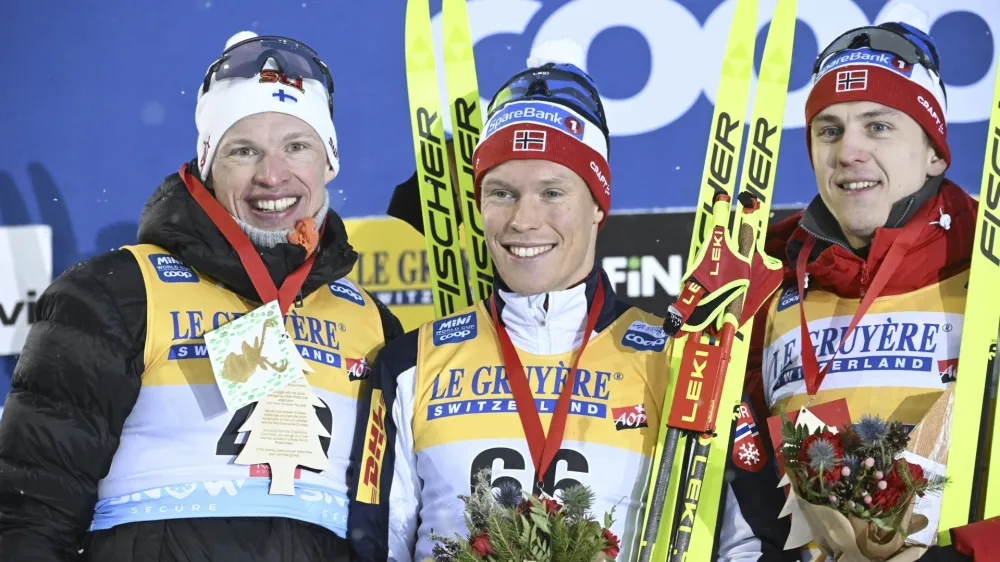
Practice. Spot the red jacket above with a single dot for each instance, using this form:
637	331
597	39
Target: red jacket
937	255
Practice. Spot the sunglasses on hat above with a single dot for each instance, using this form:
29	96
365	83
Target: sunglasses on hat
888	37
549	83
294	59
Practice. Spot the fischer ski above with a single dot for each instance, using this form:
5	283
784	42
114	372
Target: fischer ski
449	287
707	356
969	446
466	125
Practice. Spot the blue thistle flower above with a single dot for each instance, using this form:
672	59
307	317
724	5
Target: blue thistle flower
508	495
872	429
822	455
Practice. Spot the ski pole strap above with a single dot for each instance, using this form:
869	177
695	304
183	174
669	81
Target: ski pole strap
810	366
543	448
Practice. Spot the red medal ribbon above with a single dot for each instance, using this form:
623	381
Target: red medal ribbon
810	366
251	260
543	448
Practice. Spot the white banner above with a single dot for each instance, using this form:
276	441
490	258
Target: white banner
25	272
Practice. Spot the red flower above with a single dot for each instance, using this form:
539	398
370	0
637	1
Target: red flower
481	544
613	545
551	506
888	498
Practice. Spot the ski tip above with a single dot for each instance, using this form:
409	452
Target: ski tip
558	51
907	13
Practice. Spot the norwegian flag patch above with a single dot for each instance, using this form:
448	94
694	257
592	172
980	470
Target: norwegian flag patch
630	417
852	80
529	140
748	448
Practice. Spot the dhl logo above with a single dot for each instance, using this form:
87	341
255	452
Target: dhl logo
371	461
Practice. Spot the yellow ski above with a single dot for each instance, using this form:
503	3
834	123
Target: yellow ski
466	124
449	287
960	502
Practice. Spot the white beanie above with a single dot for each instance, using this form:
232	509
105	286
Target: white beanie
229	100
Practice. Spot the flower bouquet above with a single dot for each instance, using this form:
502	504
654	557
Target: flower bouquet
510	525
856	489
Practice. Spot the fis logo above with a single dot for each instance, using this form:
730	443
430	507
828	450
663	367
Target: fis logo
346	290
644	276
357	369
630	417
455	329
172	270
645	337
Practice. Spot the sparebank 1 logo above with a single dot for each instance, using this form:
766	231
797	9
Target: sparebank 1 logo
643	276
669	28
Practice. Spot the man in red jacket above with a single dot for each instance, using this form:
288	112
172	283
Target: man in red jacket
885	221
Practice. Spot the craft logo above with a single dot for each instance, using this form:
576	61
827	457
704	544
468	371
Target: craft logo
344	289
629	417
930	108
644	275
887	346
371	459
600	177
484	390
529	141
645	337
315	338
357	369
869	57
456	329
172	270
852	80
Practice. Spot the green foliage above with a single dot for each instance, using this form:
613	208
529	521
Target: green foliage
537	529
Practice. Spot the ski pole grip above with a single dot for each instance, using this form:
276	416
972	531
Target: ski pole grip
745	243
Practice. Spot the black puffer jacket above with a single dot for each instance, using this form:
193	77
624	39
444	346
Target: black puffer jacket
79	376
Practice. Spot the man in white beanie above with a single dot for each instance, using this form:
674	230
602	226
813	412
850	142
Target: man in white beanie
118	441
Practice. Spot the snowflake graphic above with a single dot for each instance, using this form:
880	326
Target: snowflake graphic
749	453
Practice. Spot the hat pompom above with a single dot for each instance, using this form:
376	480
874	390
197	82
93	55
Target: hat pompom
907	13
240	36
558	51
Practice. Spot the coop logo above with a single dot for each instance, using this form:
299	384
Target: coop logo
456	329
886	346
346	290
315	338
484	389
667	25
172	270
645	337
371	459
789	297
629	417
644	276
357	369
